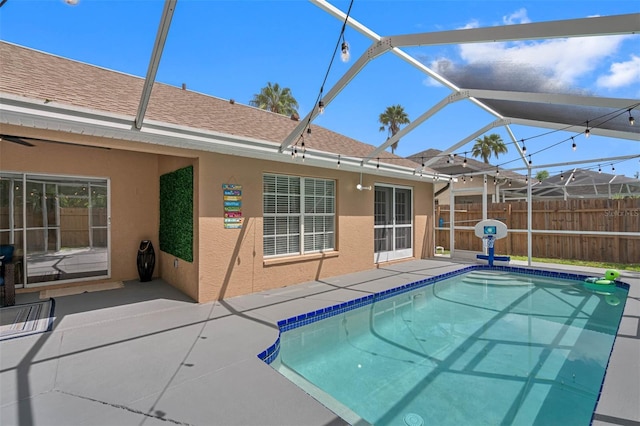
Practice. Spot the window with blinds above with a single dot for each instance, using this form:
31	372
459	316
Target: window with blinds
298	215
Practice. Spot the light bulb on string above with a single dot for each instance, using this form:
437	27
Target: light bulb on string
599	169
561	176
345	55
613	169
321	107
632	120
338	160
587	132
464	163
573	145
524	148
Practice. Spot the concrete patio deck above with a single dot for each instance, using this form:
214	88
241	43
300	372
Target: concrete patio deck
148	355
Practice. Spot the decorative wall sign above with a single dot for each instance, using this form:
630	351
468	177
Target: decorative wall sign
232	196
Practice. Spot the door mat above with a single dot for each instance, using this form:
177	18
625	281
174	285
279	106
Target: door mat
25	320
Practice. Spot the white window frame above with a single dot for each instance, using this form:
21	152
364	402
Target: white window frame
277	243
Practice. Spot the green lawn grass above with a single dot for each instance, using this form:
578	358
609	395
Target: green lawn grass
604	265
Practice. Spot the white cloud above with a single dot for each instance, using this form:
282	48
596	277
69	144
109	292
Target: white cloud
517	17
565	59
547	65
621	74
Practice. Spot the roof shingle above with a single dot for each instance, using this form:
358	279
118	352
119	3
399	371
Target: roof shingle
38	75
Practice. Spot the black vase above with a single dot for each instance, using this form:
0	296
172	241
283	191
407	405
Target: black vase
146	260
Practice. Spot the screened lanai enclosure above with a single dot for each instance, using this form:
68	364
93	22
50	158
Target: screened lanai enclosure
57	226
579	216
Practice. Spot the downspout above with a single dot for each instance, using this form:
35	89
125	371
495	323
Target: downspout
441	190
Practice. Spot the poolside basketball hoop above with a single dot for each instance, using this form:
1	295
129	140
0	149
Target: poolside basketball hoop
491	230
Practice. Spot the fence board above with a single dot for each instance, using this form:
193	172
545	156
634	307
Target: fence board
602	215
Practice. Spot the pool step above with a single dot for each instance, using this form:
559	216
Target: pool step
495	278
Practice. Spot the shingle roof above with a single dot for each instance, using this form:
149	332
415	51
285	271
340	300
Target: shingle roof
587	184
38	75
455	167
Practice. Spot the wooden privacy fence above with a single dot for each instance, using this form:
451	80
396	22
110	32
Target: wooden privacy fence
596	227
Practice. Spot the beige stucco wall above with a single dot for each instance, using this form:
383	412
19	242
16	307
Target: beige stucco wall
227	262
231	261
134	190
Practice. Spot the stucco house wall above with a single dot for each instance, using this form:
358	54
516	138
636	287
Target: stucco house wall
80	128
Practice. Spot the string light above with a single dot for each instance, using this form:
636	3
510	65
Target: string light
561	176
378	165
599	169
509	183
338	160
321	107
345	55
524	148
613	169
587	132
632	121
497	172
471	178
464	163
464	180
573	145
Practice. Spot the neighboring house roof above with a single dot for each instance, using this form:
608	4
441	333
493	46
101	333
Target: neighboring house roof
455	166
32	74
583	184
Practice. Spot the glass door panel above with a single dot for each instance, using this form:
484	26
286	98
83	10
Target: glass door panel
393	223
67	233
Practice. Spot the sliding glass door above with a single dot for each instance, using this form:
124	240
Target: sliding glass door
58	226
393	223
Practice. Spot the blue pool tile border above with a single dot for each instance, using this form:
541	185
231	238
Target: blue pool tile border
271	353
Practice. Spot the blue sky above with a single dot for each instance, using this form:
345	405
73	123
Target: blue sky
230	49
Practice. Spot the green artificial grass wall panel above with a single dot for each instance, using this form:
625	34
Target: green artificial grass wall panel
176	213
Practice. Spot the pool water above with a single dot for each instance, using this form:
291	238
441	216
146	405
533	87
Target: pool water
485	347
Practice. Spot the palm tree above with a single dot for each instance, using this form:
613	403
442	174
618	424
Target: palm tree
487	146
391	119
276	99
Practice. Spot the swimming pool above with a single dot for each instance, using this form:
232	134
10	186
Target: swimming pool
481	345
